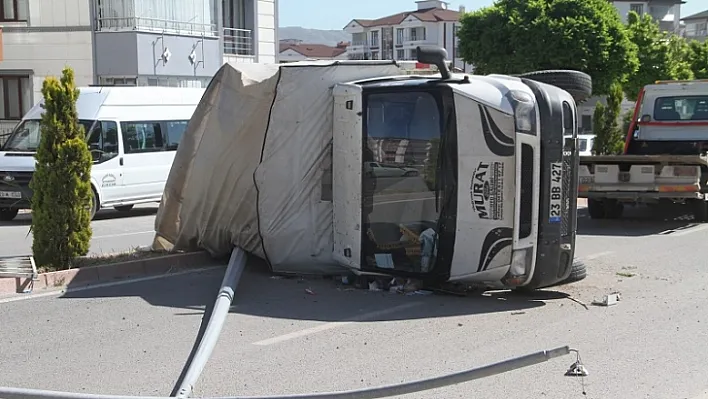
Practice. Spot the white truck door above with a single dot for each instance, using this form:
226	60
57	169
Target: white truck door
346	175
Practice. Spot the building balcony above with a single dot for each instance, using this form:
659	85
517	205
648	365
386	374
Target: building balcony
412	41
238	42
143	24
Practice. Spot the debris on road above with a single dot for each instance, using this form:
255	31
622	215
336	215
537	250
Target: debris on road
608	300
309	291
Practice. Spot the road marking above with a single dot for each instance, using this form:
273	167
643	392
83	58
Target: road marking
598	255
678	232
104	285
336	324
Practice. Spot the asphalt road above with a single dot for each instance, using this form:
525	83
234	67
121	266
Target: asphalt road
134	338
113	231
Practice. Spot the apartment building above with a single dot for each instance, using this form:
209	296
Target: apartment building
129	42
396	37
666	12
696	26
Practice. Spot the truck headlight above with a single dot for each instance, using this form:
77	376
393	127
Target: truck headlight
524	111
521	262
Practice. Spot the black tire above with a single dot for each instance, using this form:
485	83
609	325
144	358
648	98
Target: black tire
94	204
410	174
8	214
578	271
577	84
700	210
596	209
123	208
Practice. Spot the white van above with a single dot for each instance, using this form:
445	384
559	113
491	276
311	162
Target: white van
133	133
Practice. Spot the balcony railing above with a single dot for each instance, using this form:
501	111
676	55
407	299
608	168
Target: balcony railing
155	25
238	41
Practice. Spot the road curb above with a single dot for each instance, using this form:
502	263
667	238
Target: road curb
92	275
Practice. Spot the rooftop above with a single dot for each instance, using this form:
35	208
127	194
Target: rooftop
700	15
315	50
425	15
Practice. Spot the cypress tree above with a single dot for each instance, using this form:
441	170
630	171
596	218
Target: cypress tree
61	185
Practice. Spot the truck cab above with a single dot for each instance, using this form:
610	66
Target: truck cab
484	188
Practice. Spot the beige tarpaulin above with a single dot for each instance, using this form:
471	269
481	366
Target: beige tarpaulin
251	166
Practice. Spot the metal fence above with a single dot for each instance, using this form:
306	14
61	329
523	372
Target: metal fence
238	41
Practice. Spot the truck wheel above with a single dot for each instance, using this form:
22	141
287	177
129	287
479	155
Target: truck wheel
577	84
613	209
700	210
577	272
596	209
8	214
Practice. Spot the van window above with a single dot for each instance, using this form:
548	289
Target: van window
175	131
681	108
103	141
25	136
142	137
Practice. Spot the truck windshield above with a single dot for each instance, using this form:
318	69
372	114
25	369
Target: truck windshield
681	108
401	142
25	136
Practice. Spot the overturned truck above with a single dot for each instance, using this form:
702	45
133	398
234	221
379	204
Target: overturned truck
324	167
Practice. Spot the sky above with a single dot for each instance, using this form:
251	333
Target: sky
335	14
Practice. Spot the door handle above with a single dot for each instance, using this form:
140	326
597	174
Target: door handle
120	161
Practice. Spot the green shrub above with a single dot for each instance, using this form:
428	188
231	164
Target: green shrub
61	187
609	138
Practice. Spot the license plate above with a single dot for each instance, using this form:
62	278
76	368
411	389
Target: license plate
10	194
556	193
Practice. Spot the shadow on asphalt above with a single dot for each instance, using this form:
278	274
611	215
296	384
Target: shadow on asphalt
638	221
318	299
105	214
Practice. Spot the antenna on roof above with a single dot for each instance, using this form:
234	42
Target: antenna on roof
434	55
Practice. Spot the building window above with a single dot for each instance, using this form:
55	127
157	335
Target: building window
375	38
374	55
117	81
400	37
638	8
16	96
400	54
414	54
13	10
142	137
702	29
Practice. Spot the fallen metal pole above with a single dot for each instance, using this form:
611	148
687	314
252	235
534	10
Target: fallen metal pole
369	393
210	335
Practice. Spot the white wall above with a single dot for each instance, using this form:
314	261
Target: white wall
62	37
267	36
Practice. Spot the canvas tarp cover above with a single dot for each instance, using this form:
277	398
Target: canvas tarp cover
249	168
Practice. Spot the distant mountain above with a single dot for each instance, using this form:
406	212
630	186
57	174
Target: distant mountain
313	36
